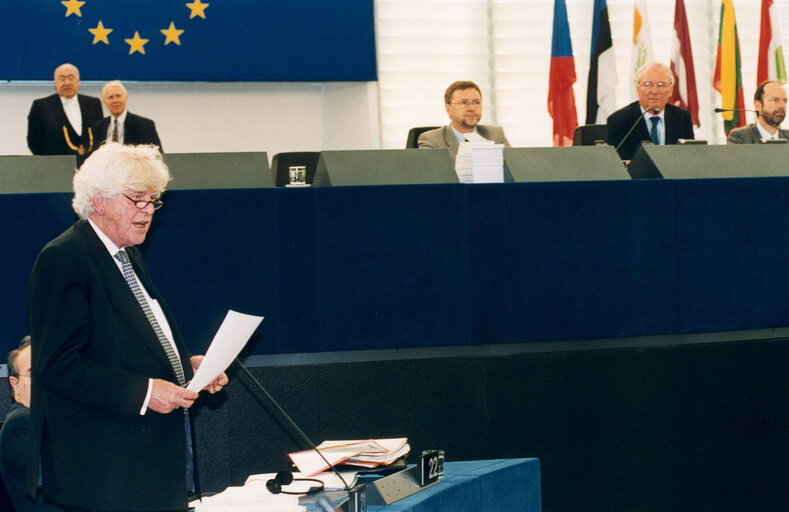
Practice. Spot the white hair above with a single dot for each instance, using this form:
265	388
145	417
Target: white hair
659	65
113	169
111	84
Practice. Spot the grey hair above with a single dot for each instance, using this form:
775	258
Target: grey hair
111	84
115	168
659	65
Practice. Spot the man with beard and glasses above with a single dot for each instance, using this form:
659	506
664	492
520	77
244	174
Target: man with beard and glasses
769	101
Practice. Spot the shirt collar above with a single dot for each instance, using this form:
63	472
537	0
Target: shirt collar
109	244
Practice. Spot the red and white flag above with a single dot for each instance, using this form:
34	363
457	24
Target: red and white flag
771	56
684	94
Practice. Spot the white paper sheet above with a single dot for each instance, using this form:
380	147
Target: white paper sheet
228	341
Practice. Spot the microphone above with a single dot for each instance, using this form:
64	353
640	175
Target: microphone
280	479
650	110
767	120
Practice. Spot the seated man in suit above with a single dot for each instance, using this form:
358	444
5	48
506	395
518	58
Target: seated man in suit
770	103
463	102
58	124
121	125
656	120
16	431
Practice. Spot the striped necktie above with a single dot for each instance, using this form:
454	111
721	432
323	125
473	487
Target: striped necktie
128	274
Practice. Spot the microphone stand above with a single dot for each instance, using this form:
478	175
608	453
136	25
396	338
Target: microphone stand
352	501
650	110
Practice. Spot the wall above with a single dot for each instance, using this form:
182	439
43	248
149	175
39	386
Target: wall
215	117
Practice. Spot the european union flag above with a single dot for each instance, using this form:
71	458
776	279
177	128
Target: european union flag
213	40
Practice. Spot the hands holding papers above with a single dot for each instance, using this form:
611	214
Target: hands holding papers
231	337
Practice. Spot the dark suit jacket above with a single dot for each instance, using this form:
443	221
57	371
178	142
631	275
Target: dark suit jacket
679	125
444	137
136	130
47	118
748	135
13	453
93	351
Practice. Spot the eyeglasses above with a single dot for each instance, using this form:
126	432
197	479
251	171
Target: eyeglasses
142	204
466	103
659	85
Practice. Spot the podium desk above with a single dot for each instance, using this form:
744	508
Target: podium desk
477	486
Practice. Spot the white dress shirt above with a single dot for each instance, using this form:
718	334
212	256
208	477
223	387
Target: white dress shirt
156	309
73	113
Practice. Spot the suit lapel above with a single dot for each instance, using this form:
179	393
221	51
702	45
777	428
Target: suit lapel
119	293
129	137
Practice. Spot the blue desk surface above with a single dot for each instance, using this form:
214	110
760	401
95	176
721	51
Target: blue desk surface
478	486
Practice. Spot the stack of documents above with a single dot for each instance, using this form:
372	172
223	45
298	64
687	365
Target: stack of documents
368	453
480	162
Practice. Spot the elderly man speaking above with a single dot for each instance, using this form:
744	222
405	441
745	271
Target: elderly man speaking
109	422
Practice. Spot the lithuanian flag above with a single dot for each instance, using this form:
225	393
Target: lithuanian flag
728	79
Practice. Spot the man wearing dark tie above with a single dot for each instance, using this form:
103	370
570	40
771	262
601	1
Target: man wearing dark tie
655	120
121	125
58	124
463	103
109	426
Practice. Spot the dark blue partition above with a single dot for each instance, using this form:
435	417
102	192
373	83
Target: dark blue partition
356	268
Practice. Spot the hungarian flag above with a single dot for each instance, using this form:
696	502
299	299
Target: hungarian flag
771	56
728	79
684	94
601	86
561	99
642	52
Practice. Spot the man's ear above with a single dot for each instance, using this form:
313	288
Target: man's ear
14	381
98	203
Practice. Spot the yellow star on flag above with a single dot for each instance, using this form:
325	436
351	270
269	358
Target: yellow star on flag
100	33
72	7
136	44
198	9
172	34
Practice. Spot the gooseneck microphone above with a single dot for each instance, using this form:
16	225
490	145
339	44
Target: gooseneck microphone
650	110
767	120
275	485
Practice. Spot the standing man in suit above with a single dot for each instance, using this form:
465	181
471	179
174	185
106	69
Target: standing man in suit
110	427
16	431
121	125
463	102
58	124
656	120
769	101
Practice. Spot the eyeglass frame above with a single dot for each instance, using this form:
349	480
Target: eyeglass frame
660	85
466	103
156	202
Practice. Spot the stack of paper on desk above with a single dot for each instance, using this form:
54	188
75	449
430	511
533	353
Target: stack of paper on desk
367	453
480	162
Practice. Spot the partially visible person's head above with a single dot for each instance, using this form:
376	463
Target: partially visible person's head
770	101
114	96
463	102
67	80
118	188
19	372
654	85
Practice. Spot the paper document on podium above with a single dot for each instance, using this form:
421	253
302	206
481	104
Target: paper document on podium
480	162
367	453
228	341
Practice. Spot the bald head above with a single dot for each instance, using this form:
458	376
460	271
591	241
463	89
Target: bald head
67	80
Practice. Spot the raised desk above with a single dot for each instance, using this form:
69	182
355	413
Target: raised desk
477	486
